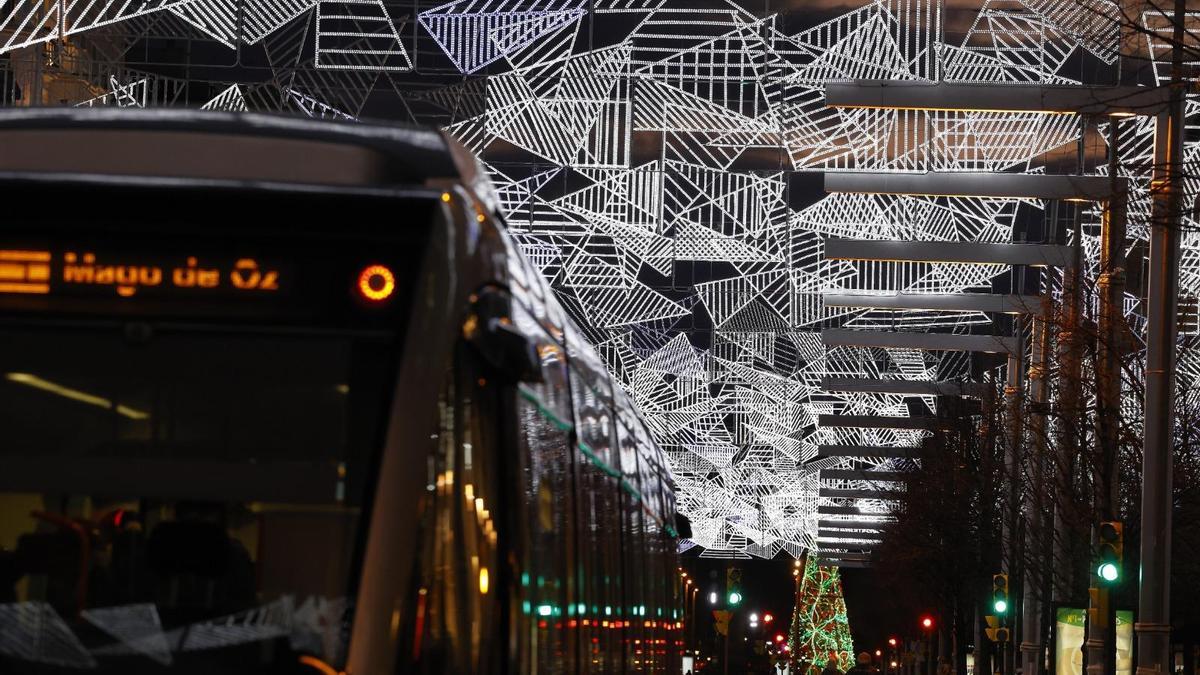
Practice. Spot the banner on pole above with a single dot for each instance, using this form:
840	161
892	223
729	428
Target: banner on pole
1069	636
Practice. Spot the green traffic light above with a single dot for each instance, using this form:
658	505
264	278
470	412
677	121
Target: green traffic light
735	598
1108	571
1001	606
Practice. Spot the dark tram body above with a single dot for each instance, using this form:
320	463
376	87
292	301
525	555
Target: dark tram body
280	396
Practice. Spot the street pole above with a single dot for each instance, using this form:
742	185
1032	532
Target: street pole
1069	383
1031	606
1112	331
1154	590
1013	391
695	616
729	634
983	651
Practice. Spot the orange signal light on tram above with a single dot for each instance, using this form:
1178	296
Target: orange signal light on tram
376	283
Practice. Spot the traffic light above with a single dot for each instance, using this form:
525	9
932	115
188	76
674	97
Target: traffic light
927	622
1112	546
733	586
1000	593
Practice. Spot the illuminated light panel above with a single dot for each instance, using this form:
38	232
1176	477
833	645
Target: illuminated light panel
376	283
28	288
230	100
358	35
475	33
24	272
36	382
24	256
316	109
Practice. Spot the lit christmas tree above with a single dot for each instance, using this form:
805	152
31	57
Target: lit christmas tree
819	627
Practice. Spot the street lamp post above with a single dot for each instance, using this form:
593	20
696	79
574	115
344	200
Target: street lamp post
693	618
1153	627
927	631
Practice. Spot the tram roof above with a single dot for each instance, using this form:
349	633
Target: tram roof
248	146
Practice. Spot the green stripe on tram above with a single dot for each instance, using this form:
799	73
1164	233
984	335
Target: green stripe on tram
558	422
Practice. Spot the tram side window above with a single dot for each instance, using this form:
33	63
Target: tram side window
600	525
452	622
633	547
547	598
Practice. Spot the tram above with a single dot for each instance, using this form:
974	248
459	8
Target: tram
281	396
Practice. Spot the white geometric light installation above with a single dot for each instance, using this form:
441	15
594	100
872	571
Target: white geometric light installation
649	156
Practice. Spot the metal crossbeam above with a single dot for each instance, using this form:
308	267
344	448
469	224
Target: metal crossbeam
942	302
846	539
975	184
885	422
866	385
871	476
988	344
844	556
856	493
973	252
849	533
1035	98
881	451
854	524
840	511
848	564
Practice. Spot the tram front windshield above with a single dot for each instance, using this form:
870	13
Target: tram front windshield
186	492
180	500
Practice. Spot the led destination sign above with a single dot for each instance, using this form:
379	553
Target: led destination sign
87	272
